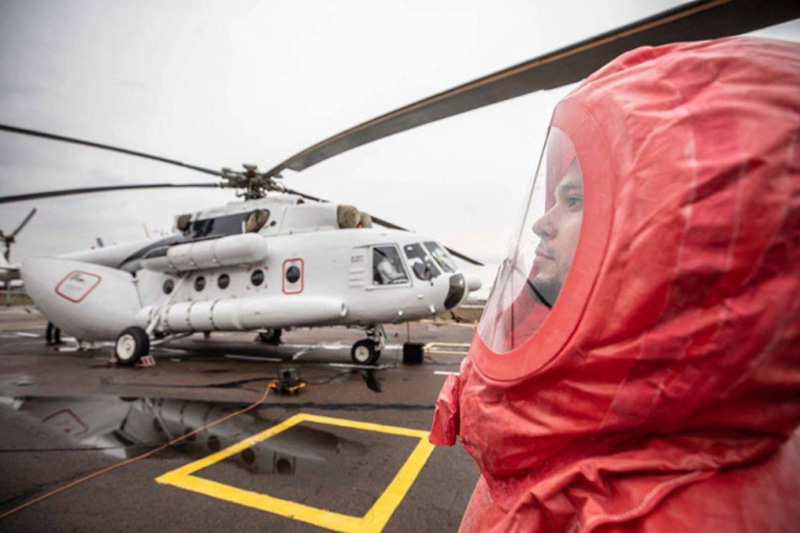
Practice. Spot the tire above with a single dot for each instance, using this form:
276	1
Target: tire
270	336
365	352
131	345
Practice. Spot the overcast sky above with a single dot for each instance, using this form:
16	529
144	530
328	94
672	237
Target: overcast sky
224	83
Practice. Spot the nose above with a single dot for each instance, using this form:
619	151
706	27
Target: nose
545	227
456	291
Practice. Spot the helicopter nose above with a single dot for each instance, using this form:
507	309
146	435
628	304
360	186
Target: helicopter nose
458	287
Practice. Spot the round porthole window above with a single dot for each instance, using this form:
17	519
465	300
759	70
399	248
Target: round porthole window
223	281
293	274
199	283
168	286
257	277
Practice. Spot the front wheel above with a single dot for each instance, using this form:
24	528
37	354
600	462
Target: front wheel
131	345
365	352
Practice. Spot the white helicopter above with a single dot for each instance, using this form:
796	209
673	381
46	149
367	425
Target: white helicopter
274	262
262	264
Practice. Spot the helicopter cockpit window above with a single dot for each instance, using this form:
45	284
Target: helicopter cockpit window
441	256
421	263
387	266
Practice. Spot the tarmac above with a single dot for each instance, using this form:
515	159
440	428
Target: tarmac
199	442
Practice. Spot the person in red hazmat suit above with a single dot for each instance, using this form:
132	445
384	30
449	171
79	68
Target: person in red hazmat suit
637	366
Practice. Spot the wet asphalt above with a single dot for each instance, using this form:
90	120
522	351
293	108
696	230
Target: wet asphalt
346	453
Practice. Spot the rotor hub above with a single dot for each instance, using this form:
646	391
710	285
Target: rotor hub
252	183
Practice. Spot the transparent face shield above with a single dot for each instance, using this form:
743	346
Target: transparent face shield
531	278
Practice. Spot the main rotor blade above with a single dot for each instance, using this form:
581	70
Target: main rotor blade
387	224
72	140
307	196
88	190
701	19
464	257
25	221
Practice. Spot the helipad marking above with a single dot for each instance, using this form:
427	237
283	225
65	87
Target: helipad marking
373	521
365	367
433	348
335	346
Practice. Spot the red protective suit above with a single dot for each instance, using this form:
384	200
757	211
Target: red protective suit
662	392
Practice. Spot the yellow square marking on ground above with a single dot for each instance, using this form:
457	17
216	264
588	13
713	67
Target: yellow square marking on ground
375	519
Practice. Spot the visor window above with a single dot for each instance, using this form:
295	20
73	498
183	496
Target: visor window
541	251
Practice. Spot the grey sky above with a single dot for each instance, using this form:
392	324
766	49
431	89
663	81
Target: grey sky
222	83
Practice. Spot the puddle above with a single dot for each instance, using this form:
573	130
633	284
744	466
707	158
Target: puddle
342	469
322	465
124	427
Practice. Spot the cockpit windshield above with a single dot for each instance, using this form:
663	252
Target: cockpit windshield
423	266
441	256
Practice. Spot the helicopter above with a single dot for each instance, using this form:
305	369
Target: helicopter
266	263
275	261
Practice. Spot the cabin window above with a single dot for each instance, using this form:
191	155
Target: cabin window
441	256
421	264
257	277
293	274
223	281
168	286
199	283
216	227
387	266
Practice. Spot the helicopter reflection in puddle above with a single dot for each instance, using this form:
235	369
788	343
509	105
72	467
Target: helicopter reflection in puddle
125	428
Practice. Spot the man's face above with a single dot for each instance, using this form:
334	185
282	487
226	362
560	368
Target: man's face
558	230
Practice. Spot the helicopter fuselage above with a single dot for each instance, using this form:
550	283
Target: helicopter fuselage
299	269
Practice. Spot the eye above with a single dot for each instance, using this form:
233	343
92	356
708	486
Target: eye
574	201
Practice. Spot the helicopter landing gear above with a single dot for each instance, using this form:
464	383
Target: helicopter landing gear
368	351
270	336
132	344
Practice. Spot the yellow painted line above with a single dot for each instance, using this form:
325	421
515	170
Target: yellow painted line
447	352
456	344
432	348
373	521
13	327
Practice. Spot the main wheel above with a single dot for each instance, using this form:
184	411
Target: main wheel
365	352
131	345
270	336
